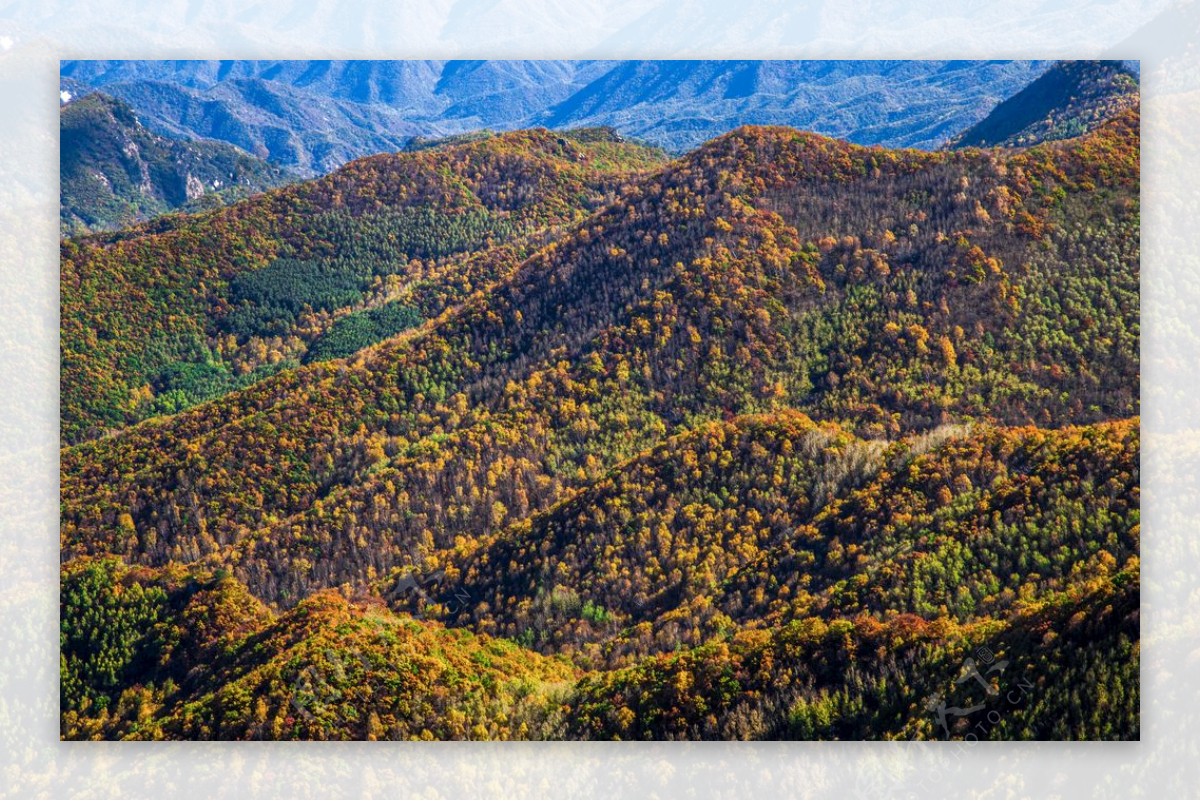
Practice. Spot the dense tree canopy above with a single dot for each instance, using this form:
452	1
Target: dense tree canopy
536	435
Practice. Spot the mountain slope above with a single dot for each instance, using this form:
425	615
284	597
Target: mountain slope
313	116
293	128
196	657
763	520
680	303
897	104
165	315
1062	668
115	172
758	412
1070	99
189	654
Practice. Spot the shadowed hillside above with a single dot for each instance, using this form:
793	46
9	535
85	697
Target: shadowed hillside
1072	98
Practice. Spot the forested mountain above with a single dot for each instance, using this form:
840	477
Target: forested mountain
116	173
178	310
785	437
1070	99
737	637
313	116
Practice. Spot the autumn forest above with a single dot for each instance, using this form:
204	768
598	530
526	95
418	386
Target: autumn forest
557	434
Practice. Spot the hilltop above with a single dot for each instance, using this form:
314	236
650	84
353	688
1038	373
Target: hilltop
181	309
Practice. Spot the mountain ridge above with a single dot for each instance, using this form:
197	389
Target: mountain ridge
323	114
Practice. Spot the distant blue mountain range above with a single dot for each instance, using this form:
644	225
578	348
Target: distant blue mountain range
312	116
